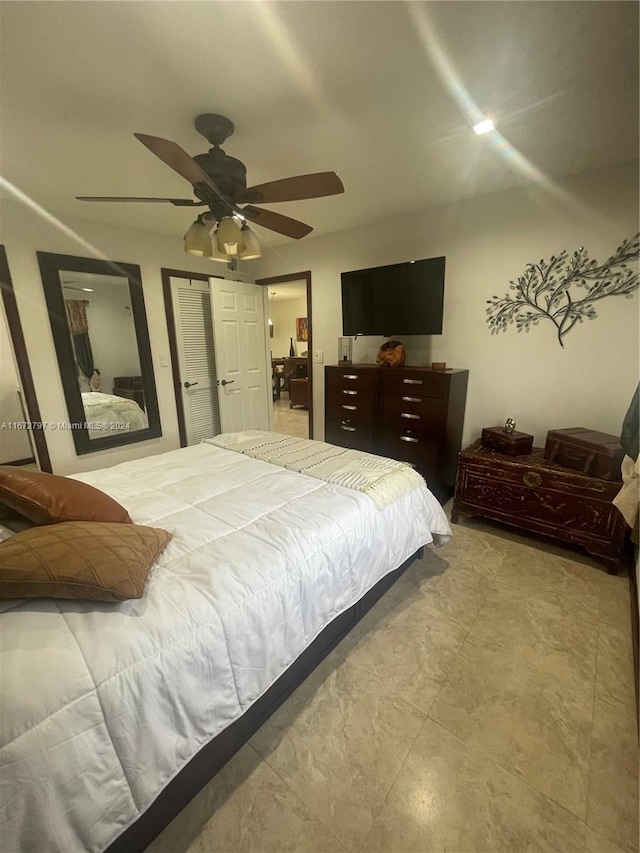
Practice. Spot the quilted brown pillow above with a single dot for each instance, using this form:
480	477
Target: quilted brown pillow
80	559
49	499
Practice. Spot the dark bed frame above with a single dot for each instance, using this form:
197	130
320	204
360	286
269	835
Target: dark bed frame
212	757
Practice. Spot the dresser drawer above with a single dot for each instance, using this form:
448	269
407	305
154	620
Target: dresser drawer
424	383
406	410
349	435
345	377
421	451
360	402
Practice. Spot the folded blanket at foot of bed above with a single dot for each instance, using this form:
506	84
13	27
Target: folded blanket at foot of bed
383	480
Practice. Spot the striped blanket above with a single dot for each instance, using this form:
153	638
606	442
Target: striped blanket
383	480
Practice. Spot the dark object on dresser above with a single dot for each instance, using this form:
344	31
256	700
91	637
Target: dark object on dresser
215	754
510	443
129	387
535	494
413	414
595	453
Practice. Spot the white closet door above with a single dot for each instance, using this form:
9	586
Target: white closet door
244	379
196	358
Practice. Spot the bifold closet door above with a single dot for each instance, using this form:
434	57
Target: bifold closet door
196	358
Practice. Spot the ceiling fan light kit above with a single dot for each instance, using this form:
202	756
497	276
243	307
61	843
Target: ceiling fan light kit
220	182
252	244
229	236
197	240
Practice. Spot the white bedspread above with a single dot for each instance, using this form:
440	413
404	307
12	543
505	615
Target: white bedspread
113	414
102	704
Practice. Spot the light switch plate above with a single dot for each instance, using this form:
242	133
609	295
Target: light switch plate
318	356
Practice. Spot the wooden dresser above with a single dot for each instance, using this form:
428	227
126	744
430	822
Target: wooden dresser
414	414
537	495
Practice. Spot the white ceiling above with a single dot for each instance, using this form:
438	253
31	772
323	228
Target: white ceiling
383	93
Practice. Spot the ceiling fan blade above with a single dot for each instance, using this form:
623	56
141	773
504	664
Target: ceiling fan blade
178	160
179	202
293	189
275	221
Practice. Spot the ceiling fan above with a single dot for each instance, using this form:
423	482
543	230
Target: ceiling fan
220	183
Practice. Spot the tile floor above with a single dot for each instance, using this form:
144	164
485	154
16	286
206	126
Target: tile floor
486	703
291	421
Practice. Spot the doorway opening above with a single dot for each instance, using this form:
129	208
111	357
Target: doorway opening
289	318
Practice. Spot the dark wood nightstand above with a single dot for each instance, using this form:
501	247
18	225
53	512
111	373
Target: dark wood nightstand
534	494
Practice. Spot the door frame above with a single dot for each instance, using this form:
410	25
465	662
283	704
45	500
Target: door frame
300	276
167	274
22	361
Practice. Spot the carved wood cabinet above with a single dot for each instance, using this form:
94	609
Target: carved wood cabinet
537	495
413	414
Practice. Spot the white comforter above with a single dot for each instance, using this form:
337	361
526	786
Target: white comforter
102	704
111	415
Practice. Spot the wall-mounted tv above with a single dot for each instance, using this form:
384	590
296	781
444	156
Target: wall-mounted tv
399	299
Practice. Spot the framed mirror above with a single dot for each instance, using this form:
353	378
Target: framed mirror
99	326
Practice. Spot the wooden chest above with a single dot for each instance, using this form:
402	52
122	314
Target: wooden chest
535	494
595	453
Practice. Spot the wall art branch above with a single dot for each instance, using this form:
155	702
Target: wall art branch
564	290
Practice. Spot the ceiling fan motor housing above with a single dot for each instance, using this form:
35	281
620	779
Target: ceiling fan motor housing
228	173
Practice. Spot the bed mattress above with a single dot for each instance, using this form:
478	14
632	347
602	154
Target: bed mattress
103	704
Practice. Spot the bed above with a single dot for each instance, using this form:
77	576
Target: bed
113	716
112	415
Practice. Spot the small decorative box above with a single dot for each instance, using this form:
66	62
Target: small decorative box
510	443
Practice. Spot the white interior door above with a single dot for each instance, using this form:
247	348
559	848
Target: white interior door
244	379
196	358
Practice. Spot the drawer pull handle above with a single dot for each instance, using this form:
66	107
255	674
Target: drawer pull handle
412	381
408	438
347	428
410	417
349	376
352	393
411	400
349	408
532	478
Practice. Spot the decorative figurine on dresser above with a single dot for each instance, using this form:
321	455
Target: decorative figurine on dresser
533	492
414	414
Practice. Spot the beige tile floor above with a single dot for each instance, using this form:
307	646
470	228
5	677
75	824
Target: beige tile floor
486	703
291	421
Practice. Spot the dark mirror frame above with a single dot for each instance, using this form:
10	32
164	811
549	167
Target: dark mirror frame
50	267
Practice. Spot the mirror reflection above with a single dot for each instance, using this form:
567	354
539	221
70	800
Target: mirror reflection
102	331
99	327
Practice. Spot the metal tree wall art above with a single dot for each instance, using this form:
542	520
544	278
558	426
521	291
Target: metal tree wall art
564	290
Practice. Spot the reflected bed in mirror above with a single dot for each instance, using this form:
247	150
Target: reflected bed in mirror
99	327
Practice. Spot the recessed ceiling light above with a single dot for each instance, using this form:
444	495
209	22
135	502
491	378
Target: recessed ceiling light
483	127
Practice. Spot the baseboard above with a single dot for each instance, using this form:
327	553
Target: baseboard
29	461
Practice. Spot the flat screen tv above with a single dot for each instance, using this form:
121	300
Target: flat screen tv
399	299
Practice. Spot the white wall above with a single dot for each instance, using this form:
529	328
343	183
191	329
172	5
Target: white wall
284	314
14	444
24	232
487	242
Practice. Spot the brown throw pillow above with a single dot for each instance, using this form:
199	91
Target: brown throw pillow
49	499
80	559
